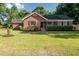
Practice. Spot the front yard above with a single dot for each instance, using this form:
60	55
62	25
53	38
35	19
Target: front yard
39	43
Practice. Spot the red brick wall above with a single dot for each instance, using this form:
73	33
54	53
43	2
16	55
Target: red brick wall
37	19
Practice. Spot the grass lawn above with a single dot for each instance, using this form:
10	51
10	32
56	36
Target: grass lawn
40	43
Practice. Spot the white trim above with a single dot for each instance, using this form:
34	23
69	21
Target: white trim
30	23
35	13
46	18
60	20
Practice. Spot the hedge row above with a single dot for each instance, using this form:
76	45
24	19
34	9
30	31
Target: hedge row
59	28
31	28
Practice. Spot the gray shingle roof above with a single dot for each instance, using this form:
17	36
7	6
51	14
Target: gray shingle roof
16	20
51	17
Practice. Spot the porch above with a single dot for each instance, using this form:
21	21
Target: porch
45	24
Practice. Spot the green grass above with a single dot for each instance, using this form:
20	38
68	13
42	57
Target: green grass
40	43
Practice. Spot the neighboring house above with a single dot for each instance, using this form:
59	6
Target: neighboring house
43	21
16	23
1	26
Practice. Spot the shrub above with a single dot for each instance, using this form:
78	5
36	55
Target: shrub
31	28
21	27
59	28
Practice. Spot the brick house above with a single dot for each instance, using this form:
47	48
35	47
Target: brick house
43	21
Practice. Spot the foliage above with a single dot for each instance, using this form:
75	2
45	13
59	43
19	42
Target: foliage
59	28
41	10
31	28
51	12
14	12
7	14
70	9
23	13
2	8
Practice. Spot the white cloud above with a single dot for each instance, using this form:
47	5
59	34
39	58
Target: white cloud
8	5
19	6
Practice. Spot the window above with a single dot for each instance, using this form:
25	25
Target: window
62	23
55	23
31	22
49	23
65	23
59	23
68	23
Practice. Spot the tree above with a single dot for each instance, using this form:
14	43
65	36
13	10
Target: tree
7	14
8	21
2	19
2	8
51	13
2	11
70	9
14	12
23	13
40	10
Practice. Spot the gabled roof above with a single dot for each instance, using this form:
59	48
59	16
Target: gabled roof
32	14
53	17
16	20
46	17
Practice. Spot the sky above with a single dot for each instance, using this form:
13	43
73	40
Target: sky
32	6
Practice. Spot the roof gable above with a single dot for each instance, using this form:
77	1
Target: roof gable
34	14
46	17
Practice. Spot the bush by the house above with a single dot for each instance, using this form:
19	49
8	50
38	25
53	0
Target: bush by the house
21	27
59	28
31	28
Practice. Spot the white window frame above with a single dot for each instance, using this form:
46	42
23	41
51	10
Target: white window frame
65	23
30	23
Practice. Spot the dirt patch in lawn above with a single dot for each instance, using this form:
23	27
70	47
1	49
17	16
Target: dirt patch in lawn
10	35
40	52
32	52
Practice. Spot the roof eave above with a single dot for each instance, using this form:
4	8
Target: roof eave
35	13
60	19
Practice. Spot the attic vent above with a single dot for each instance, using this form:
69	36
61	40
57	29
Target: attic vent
34	14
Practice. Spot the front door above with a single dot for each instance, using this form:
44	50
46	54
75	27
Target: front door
43	25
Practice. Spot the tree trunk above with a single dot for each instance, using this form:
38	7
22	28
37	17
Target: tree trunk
8	31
